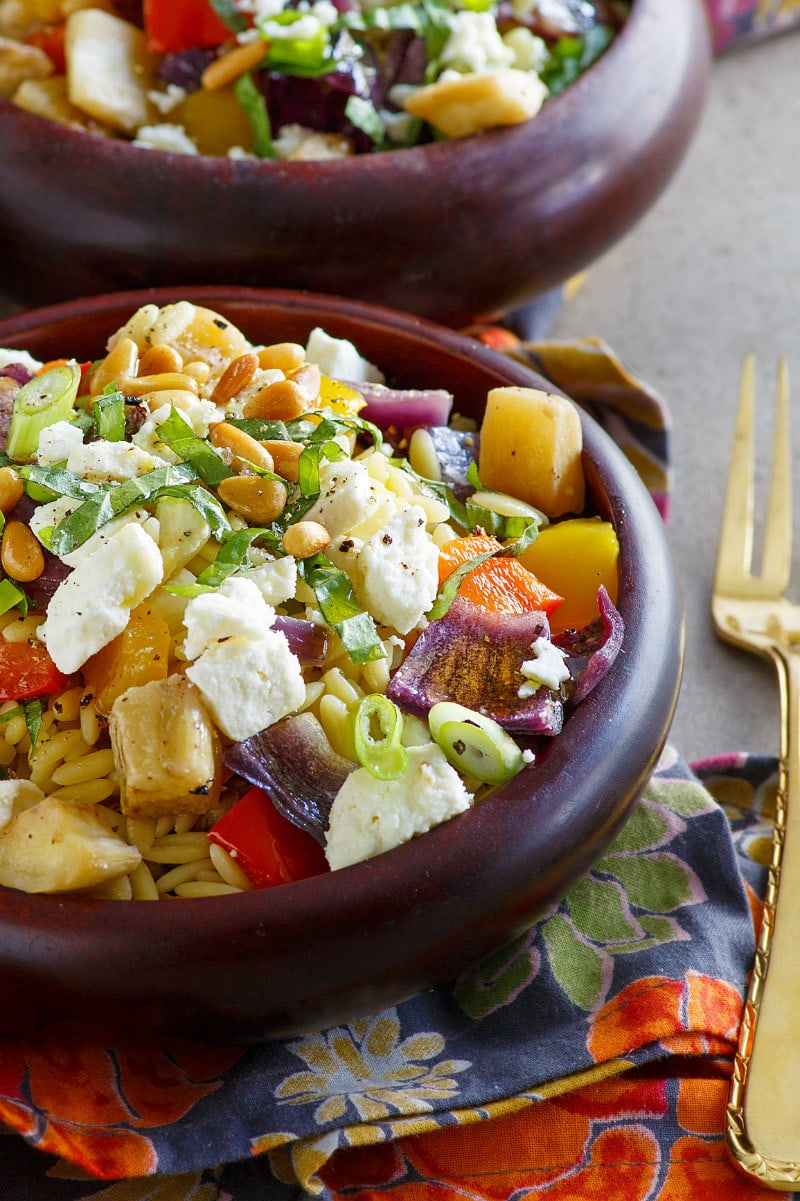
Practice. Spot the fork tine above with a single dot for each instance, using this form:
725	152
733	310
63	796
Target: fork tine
734	558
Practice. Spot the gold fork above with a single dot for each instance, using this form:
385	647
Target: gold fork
751	611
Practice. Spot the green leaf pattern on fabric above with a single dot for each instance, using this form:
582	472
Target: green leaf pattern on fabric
497	979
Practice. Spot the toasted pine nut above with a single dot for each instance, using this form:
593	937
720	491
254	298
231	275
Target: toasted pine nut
158	359
243	448
260	501
10	489
21	555
198	370
236	376
117	367
281	401
308	378
165	379
282	356
182	398
230	66
304	539
285	458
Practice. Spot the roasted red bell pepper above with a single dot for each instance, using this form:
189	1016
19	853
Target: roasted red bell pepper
269	849
26	670
171	26
51	40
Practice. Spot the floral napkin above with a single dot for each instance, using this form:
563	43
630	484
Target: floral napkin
738	22
590	1056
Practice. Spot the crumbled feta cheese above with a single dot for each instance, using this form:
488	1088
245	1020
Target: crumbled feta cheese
249	683
339	358
21	358
56	441
348	497
306	27
474	44
172	138
276	580
549	667
398	571
148	523
235	610
170	98
93	604
369	816
199	414
106	462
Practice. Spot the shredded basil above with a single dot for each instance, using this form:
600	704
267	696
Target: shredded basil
341	610
108	412
229	15
33	720
309	461
178	435
231	555
58	481
261	430
363	114
569	57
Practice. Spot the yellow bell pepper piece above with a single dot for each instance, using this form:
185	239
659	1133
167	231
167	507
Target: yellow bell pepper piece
339	397
574	558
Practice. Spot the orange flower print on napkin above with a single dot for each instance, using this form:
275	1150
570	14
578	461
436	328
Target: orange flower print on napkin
656	1009
85	1103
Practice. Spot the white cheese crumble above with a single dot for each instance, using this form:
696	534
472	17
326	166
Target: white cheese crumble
369	816
93	604
56	441
397	571
339	358
172	138
474	44
548	667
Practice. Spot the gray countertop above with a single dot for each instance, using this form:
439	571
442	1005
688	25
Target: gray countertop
712	271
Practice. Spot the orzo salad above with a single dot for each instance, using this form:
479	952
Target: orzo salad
296	79
264	615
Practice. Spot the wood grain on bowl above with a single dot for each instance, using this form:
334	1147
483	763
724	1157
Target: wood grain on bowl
451	231
320	951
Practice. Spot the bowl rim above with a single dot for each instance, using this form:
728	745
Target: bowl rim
291	913
431	155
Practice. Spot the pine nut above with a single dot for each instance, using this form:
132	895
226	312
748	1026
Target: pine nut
236	376
158	359
243	448
181	398
282	356
117	367
198	370
10	489
308	379
157	383
304	539
285	458
281	401
230	66
260	501
21	555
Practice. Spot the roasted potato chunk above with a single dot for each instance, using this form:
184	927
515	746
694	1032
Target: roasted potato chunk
62	846
166	749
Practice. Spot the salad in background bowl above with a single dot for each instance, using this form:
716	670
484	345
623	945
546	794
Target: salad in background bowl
472	204
379	926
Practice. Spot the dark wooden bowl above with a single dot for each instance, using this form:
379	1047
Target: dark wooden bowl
450	231
325	950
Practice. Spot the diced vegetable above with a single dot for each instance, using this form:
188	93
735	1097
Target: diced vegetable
166	749
26	670
576	557
109	69
136	656
173	25
464	105
531	445
269	849
62	846
501	583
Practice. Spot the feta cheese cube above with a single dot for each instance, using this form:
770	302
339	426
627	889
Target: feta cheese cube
397	573
369	816
56	441
105	462
235	610
348	497
93	604
249	683
339	358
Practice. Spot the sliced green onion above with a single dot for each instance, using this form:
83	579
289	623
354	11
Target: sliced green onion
108	412
474	743
255	109
341	610
377	729
45	399
179	436
12	596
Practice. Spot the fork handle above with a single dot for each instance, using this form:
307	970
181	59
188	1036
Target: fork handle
763	1121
